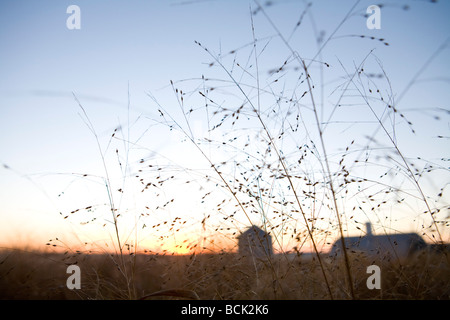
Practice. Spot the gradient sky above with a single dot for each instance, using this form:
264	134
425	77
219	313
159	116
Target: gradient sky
125	49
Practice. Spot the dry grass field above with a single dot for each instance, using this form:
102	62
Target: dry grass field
227	276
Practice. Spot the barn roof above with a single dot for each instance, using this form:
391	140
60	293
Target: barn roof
400	243
252	230
387	239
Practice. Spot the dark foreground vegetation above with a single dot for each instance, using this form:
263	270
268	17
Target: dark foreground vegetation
34	275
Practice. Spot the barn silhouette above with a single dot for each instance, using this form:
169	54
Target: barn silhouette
255	242
387	245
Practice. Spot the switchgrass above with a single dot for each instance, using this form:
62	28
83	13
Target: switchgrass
307	158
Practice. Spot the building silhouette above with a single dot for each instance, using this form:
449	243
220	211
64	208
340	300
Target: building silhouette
386	245
255	242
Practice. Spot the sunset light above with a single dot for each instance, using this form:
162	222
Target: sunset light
224	150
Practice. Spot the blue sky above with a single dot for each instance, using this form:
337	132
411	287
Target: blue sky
139	46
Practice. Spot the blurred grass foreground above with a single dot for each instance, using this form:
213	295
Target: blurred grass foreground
34	275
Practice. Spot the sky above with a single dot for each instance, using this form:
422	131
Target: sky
82	125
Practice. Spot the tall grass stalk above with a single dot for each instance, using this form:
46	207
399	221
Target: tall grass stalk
122	266
318	124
